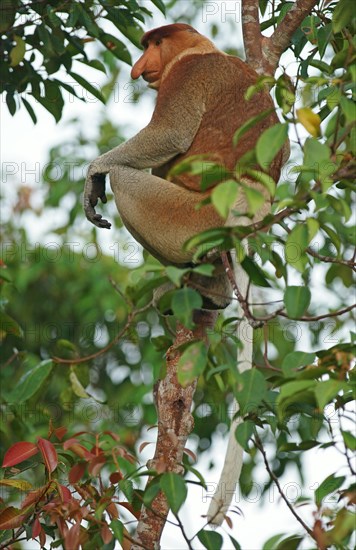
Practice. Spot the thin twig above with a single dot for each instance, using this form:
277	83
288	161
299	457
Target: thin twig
320	317
130	318
242	300
259	445
185	536
345	450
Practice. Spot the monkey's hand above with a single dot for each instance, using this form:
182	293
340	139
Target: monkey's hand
93	191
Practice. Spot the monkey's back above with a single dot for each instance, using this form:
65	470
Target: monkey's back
219	83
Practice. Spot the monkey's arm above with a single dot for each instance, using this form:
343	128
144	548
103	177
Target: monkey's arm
174	124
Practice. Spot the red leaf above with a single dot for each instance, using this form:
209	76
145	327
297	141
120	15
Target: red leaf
190	453
73	445
49	454
115	477
96	465
76	472
60	432
229	521
112	434
106	534
112	510
36	528
130	508
64	493
143	445
42	538
71	538
18	453
34	497
10	518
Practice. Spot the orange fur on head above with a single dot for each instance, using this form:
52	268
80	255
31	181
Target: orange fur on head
163	32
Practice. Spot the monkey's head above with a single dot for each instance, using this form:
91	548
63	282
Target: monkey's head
163	45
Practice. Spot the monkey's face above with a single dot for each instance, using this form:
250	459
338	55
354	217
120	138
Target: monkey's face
150	65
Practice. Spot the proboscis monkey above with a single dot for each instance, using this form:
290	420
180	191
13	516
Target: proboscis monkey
200	105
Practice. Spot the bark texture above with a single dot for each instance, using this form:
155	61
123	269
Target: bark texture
175	423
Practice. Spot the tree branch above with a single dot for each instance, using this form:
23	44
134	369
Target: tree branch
259	446
251	33
274	46
175	423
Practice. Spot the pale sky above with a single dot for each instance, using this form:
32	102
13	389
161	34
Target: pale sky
24	148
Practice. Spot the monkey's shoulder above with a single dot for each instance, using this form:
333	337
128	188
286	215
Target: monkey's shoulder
215	65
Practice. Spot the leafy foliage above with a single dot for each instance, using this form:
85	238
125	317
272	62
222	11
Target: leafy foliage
41	39
82	345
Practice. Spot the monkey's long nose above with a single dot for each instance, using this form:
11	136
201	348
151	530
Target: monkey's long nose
138	68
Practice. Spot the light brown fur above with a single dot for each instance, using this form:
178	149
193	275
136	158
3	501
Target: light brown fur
200	105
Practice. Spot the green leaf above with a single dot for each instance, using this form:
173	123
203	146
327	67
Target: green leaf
252	392
313	228
295	387
296	300
343	527
327	390
184	301
126	486
94	63
210	539
11	103
8	325
343	15
224	196
175	274
8	13
214	236
296	244
244	432
348	108
175	489
235	544
292	361
151	492
31	382
349	440
117	528
270	143
290	543
116	47
249	124
86	19
52	100
87	86
271	543
192	362
30	110
18	52
263	178
254	272
255	199
160	5
77	387
317	163
328	486
204	269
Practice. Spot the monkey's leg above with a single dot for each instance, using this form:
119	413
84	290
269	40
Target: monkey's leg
161	215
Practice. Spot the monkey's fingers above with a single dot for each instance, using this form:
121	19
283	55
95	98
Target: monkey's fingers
93	217
99	221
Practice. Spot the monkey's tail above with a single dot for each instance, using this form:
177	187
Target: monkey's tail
231	471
